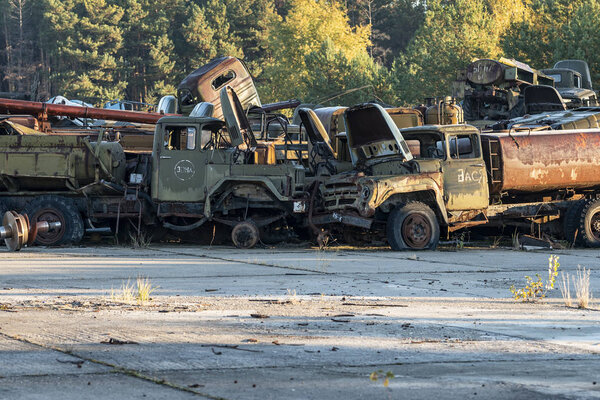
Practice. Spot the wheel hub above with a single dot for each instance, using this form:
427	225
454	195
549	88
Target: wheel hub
416	231
49	215
595	225
245	235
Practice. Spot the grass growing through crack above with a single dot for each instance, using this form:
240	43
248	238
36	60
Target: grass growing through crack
581	284
536	289
140	240
129	292
565	289
583	294
379	374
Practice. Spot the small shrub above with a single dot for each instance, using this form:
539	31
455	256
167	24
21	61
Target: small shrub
126	293
536	289
379	374
144	289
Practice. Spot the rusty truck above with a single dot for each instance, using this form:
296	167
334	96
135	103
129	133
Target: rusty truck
200	169
408	186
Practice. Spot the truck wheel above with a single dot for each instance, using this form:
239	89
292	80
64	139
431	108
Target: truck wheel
413	226
571	222
245	235
53	209
589	223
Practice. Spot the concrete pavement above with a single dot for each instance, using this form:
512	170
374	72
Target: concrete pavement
292	323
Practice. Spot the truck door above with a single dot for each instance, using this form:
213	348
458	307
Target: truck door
465	179
181	164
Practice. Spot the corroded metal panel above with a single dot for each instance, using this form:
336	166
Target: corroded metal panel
547	160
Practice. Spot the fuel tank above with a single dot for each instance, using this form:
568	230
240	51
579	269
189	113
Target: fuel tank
542	161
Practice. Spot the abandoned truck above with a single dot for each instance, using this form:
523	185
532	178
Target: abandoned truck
200	169
409	185
494	89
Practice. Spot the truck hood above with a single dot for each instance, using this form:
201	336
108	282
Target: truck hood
235	118
372	133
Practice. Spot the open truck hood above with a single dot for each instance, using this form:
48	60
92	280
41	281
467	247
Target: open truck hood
372	133
235	118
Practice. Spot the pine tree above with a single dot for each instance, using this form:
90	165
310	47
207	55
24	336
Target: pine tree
148	47
84	41
207	34
452	35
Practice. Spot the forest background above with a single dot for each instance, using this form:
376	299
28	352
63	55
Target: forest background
396	51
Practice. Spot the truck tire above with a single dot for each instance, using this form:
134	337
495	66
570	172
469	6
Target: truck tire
245	235
571	222
413	226
589	223
56	208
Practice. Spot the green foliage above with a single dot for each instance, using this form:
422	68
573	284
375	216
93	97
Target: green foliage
148	50
399	51
304	30
85	41
331	72
452	34
379	374
536	289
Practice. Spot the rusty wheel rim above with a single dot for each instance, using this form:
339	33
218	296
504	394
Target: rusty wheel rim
416	231
245	235
595	225
50	215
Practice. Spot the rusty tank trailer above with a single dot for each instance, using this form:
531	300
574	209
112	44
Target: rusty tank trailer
542	161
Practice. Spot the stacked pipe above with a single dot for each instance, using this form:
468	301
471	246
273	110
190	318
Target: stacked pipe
10	106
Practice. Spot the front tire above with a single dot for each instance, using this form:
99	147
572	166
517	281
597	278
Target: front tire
413	226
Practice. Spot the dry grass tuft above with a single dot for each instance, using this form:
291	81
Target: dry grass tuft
144	289
565	289
129	292
583	293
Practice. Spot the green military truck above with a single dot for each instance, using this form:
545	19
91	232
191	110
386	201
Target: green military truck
200	169
409	185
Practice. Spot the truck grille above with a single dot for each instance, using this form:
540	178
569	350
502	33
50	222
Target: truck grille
339	196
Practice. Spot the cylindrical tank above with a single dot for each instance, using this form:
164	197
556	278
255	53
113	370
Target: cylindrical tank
542	161
444	112
40	162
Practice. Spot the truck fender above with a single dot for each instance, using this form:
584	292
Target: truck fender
417	185
246	179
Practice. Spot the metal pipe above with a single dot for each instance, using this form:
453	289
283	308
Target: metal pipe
5	232
45	109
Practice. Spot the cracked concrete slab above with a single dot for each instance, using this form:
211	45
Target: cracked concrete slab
292	323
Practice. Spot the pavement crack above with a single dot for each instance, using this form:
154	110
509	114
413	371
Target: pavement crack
116	369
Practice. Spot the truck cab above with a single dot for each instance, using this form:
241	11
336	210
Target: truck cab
207	169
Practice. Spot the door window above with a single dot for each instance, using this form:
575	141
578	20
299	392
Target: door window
463	146
180	138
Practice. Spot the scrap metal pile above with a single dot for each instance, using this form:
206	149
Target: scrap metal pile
214	156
